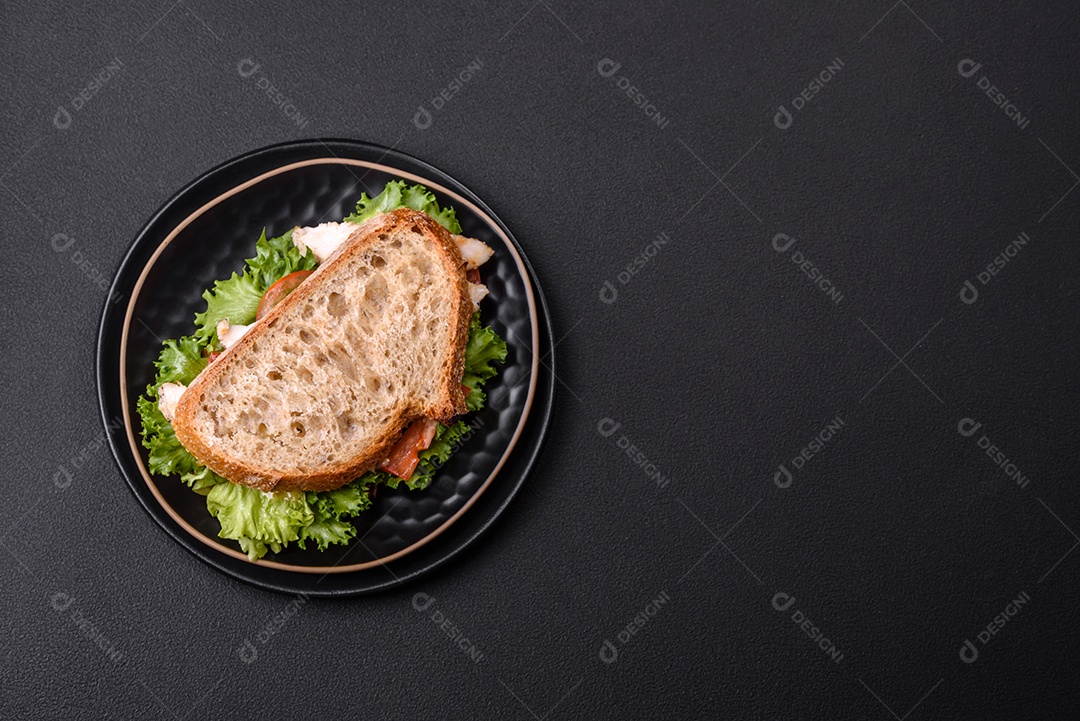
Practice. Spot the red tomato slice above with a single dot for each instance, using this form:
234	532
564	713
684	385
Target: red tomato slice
405	455
277	292
213	356
473	275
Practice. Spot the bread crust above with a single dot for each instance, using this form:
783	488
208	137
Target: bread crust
450	401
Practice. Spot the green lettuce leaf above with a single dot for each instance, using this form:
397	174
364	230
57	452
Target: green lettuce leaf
179	361
331	508
396	195
238	297
257	520
447	440
167	456
484	348
345	501
275	258
325	531
202	480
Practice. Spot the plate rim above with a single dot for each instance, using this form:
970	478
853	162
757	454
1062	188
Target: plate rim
537	309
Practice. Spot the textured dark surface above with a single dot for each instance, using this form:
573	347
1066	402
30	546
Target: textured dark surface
213	246
720	358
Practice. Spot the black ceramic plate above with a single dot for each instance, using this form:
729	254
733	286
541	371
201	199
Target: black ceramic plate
204	233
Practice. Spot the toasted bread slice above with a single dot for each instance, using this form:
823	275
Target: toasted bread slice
317	391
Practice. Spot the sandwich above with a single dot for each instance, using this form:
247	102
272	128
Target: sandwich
341	359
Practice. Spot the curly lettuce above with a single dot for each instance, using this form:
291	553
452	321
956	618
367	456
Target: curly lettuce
166	456
396	195
268	522
179	362
237	298
330	510
482	350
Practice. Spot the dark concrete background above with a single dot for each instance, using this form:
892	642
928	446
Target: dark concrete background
900	538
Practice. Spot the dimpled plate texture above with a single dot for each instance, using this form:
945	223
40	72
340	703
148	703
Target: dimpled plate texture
212	247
